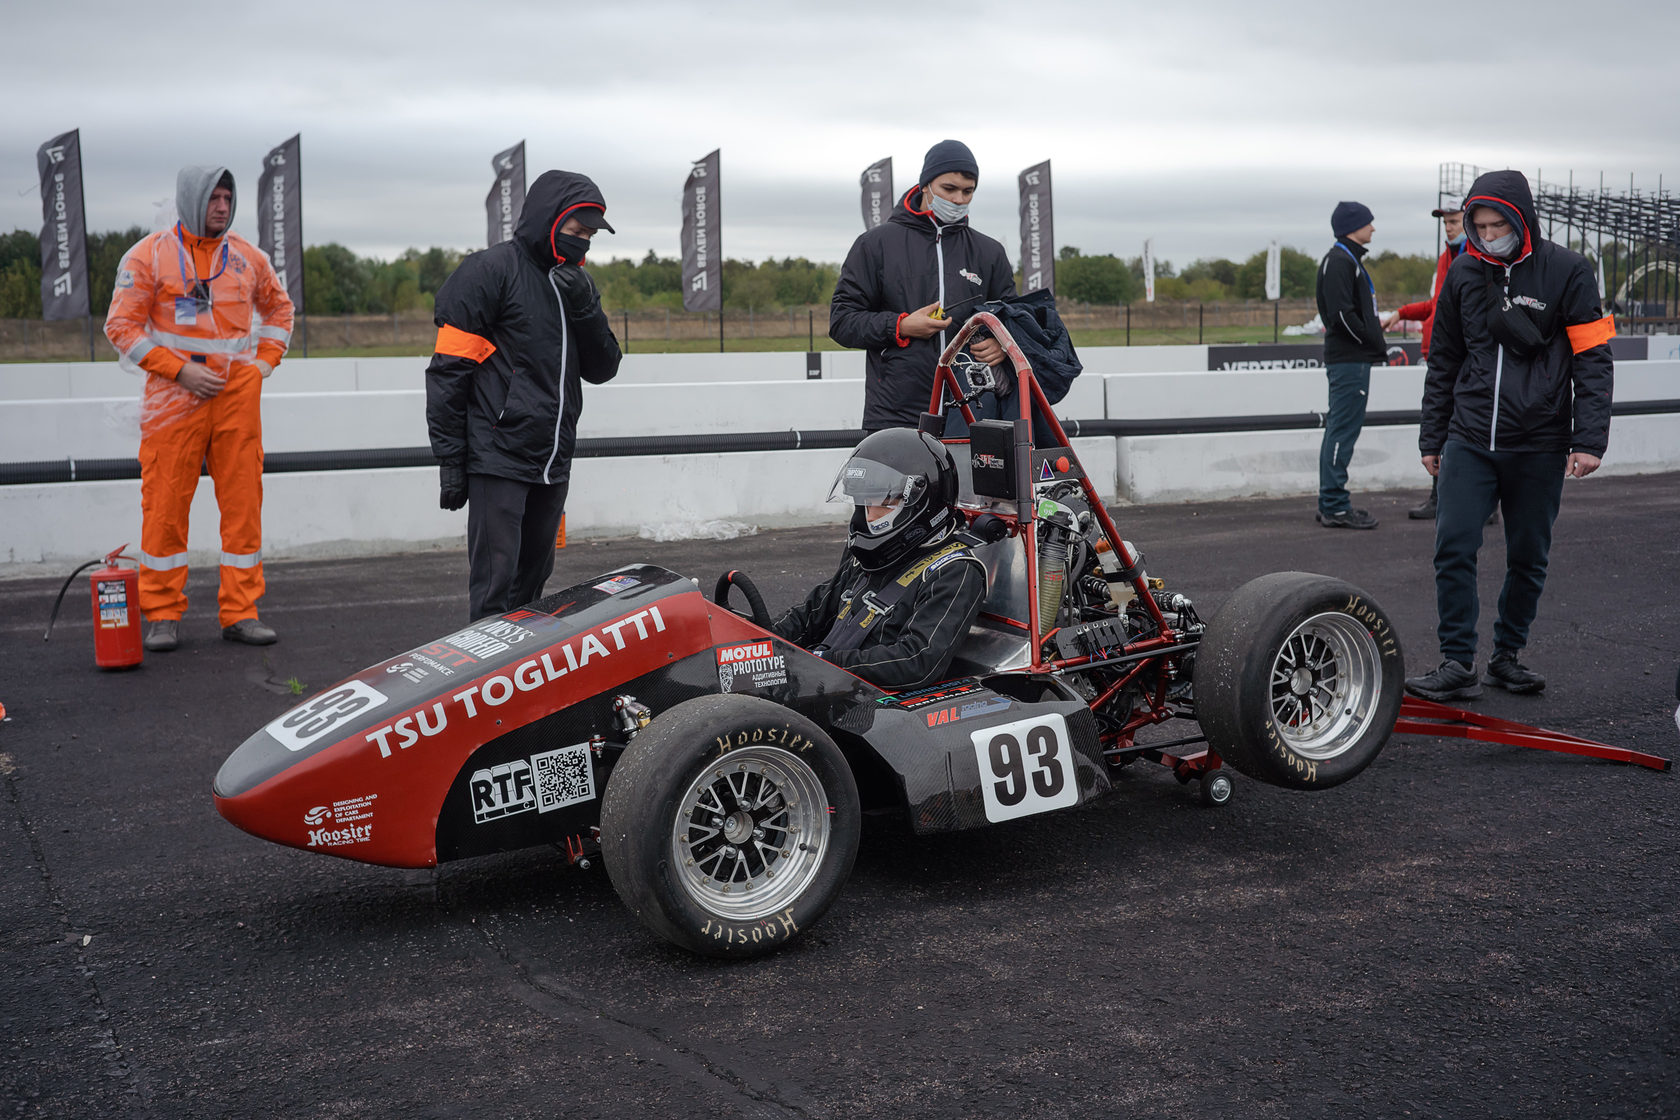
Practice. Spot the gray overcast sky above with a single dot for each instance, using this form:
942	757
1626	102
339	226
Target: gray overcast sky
1211	127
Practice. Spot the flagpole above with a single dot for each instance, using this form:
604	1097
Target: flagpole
303	273
87	251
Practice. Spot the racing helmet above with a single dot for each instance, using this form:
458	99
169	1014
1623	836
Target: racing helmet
907	479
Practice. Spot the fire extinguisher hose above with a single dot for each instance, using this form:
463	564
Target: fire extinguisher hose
59	602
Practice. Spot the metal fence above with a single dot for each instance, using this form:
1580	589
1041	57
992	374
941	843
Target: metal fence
648	329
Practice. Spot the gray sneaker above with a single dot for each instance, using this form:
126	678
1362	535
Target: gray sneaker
1506	672
162	636
251	632
1450	680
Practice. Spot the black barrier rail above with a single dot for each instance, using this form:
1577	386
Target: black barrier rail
614	447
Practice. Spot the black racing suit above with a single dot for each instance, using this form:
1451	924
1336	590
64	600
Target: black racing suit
933	595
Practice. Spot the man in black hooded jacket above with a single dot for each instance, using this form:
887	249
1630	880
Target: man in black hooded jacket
924	258
518	326
1516	397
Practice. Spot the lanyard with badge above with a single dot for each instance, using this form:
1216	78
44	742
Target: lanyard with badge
1368	282
197	300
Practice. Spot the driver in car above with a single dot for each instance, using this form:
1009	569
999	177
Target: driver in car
909	584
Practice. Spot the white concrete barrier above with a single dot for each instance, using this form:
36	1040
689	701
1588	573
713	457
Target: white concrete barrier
87	410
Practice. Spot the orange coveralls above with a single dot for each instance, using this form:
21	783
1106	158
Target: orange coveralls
154	324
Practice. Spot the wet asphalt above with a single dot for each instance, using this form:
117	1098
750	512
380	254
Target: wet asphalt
1464	930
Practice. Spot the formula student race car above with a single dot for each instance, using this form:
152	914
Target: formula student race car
721	772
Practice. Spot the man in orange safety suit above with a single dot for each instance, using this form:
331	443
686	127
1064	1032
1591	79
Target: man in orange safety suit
200	310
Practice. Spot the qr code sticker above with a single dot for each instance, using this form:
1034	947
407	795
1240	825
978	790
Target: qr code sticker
564	777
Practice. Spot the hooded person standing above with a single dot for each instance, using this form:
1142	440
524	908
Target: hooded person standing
520	328
182	312
1516	397
1353	342
924	259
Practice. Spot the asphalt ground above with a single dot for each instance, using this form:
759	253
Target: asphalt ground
1464	930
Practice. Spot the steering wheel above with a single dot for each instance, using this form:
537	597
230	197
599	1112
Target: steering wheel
759	613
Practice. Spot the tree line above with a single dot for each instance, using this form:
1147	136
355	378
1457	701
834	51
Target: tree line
339	282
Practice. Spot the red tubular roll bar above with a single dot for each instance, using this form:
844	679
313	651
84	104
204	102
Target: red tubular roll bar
1417	717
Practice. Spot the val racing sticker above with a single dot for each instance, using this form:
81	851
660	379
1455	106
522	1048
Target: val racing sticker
544	782
955	712
749	667
1026	767
309	721
616	584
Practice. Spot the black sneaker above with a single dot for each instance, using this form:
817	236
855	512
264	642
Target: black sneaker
1347	519
1424	512
1450	680
1504	671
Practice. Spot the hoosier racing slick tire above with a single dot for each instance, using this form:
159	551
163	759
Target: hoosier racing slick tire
729	825
1298	680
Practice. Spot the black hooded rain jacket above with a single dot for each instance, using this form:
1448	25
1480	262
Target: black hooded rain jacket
1543	384
503	389
908	262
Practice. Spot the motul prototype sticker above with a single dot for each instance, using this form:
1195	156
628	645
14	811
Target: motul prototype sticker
1025	767
548	781
746	668
309	721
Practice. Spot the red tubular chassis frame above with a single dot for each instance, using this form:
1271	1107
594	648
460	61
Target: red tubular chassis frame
1417	717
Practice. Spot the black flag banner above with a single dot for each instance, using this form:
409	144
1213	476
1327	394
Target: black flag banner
1038	235
64	267
702	243
280	216
507	195
878	197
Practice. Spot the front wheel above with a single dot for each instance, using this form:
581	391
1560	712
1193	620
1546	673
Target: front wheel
1298	680
729	825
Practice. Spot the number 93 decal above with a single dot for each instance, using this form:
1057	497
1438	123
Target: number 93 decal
1025	767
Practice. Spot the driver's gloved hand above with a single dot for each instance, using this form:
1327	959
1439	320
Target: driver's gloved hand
577	290
452	483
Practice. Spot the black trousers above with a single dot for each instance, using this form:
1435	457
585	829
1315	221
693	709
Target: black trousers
510	541
1527	486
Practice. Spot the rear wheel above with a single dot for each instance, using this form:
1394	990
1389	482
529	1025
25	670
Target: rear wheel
1298	680
729	825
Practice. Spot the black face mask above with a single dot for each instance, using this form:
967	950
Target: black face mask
569	248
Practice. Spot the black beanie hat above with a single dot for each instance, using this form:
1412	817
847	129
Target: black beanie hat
948	155
1349	216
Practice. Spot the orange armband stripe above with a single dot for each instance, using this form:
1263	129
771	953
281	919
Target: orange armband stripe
458	343
1588	335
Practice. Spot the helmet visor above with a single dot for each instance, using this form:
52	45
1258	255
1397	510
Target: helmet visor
865	482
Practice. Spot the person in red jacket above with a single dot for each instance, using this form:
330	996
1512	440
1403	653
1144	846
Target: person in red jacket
200	311
1452	225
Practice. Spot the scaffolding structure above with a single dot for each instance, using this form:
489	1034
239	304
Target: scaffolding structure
1631	235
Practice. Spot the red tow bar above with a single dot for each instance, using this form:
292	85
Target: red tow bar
1425	717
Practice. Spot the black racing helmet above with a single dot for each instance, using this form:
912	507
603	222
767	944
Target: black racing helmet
910	475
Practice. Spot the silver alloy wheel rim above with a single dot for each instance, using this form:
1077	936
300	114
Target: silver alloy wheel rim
750	833
1325	684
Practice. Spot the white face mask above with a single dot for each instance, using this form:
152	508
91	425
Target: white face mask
1503	246
946	210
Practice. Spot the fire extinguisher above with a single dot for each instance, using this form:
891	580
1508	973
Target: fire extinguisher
116	611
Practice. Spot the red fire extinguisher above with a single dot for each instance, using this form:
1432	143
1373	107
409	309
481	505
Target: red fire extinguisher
116	611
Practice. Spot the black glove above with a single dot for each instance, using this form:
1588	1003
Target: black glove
577	290
452	483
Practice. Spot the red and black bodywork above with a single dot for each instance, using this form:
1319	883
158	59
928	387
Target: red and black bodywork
503	734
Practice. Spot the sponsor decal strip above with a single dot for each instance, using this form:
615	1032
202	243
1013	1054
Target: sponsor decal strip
530	675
